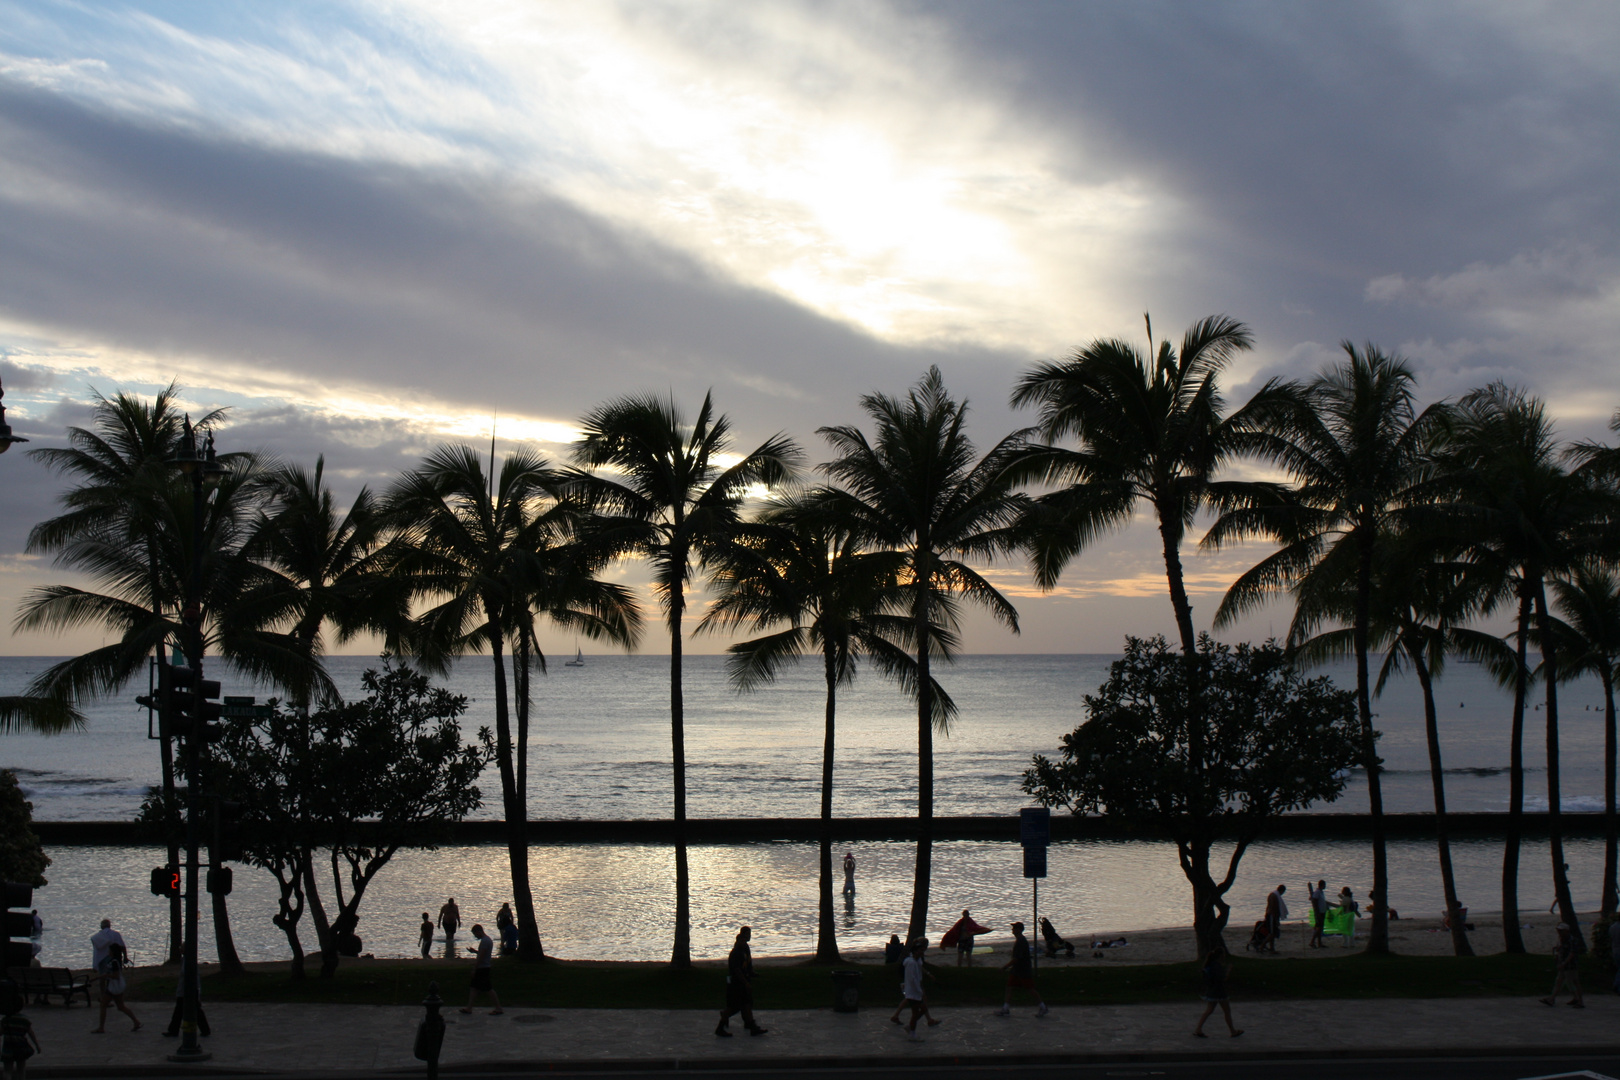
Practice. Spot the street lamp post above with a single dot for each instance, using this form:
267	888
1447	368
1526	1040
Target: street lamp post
6	437
199	467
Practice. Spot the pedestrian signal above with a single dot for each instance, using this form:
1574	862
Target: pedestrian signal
165	881
219	881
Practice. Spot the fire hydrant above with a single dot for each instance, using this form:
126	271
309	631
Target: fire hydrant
430	1032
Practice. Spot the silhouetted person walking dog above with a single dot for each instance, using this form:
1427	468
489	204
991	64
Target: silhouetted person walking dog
739	991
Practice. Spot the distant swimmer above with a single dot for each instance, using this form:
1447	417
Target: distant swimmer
849	873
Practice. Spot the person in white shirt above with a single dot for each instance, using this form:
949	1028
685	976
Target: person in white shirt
912	989
99	942
1318	896
483	971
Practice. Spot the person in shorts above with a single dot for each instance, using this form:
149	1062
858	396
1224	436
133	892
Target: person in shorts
1568	974
450	922
424	935
1020	973
913	996
1215	971
113	987
483	977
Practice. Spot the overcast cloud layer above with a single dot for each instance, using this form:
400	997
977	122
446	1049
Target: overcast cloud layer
368	227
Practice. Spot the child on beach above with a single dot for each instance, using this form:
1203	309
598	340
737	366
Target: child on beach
1215	971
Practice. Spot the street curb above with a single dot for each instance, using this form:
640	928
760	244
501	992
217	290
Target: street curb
869	1061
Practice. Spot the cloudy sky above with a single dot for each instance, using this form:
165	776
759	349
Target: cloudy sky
368	227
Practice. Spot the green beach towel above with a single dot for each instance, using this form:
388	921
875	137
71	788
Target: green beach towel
1339	921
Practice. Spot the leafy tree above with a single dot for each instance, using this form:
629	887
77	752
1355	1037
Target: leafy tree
22	857
1151	430
1358	449
389	771
919	488
1274	742
665	496
800	569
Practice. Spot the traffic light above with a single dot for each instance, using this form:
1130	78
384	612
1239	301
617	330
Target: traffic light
19	924
219	881
227	843
193	702
165	881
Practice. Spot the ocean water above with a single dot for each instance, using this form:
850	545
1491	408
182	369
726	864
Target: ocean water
599	748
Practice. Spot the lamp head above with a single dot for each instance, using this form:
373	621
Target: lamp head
6	437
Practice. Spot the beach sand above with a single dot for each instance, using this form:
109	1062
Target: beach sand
1174	945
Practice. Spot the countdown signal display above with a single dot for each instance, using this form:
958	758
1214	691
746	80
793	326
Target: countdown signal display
165	881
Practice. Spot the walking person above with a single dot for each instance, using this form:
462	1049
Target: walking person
1276	912
1020	973
1569	976
1319	907
912	995
1215	971
739	988
113	987
849	873
173	1030
18	1042
483	977
449	920
101	940
424	936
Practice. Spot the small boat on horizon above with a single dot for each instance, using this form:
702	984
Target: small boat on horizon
578	660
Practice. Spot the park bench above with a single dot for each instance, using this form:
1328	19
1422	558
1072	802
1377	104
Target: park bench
39	983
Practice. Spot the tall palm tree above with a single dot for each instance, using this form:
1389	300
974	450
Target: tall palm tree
473	546
1357	447
1589	601
120	463
802	570
1151	431
1529	515
917	487
664	494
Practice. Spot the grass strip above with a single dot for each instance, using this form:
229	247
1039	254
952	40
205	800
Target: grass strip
562	984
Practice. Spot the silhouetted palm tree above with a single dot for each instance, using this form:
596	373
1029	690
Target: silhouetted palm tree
1589	600
1356	446
1151	430
39	716
665	495
1528	515
478	548
918	487
801	569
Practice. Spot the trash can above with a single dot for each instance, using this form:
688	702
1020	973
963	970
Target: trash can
846	991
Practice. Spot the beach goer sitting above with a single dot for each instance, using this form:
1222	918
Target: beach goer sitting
895	950
1462	917
961	935
1053	940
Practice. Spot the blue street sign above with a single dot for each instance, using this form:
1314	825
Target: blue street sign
1034	826
1034	860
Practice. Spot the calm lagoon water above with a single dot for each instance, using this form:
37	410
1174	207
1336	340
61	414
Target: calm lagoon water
600	749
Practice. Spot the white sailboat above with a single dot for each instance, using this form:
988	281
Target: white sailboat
579	658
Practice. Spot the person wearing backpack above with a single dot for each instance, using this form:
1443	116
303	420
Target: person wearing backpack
113	987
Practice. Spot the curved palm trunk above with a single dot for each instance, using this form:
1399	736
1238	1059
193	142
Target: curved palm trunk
681	954
1442	833
517	818
826	929
1610	887
229	962
522	656
1513	939
1378	938
918	925
1555	832
1171	539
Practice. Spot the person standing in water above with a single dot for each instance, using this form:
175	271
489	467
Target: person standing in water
425	936
449	920
849	873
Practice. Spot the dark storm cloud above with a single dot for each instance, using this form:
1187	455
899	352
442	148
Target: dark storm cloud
412	281
1322	146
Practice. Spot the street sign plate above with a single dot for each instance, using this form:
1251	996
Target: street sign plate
1034	860
1035	826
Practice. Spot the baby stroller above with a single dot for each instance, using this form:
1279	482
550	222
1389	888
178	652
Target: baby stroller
1261	938
1054	941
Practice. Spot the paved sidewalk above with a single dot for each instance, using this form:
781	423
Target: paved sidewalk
362	1039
